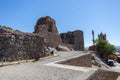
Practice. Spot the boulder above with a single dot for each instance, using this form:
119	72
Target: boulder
63	48
50	51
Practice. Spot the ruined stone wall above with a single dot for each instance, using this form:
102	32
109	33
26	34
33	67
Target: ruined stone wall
16	45
104	75
46	27
73	39
83	61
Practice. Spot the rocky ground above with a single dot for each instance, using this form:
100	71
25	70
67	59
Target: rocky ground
116	67
46	69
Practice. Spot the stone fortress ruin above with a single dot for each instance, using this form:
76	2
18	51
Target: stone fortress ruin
16	45
73	40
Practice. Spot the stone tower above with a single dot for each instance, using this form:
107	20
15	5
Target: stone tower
46	28
102	36
73	39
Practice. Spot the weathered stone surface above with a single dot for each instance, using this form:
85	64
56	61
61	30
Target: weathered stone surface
104	75
73	39
63	48
16	45
92	48
118	59
84	61
102	36
46	27
118	78
50	50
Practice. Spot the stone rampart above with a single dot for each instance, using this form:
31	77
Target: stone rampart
16	45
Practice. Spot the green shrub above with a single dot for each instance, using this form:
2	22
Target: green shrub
104	48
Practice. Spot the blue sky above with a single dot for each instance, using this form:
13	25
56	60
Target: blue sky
87	15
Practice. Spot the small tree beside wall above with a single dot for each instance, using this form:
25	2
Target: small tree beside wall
104	49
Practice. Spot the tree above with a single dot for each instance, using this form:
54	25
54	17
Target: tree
104	48
110	49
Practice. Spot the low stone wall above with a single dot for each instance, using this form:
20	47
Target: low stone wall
84	61
16	45
104	75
